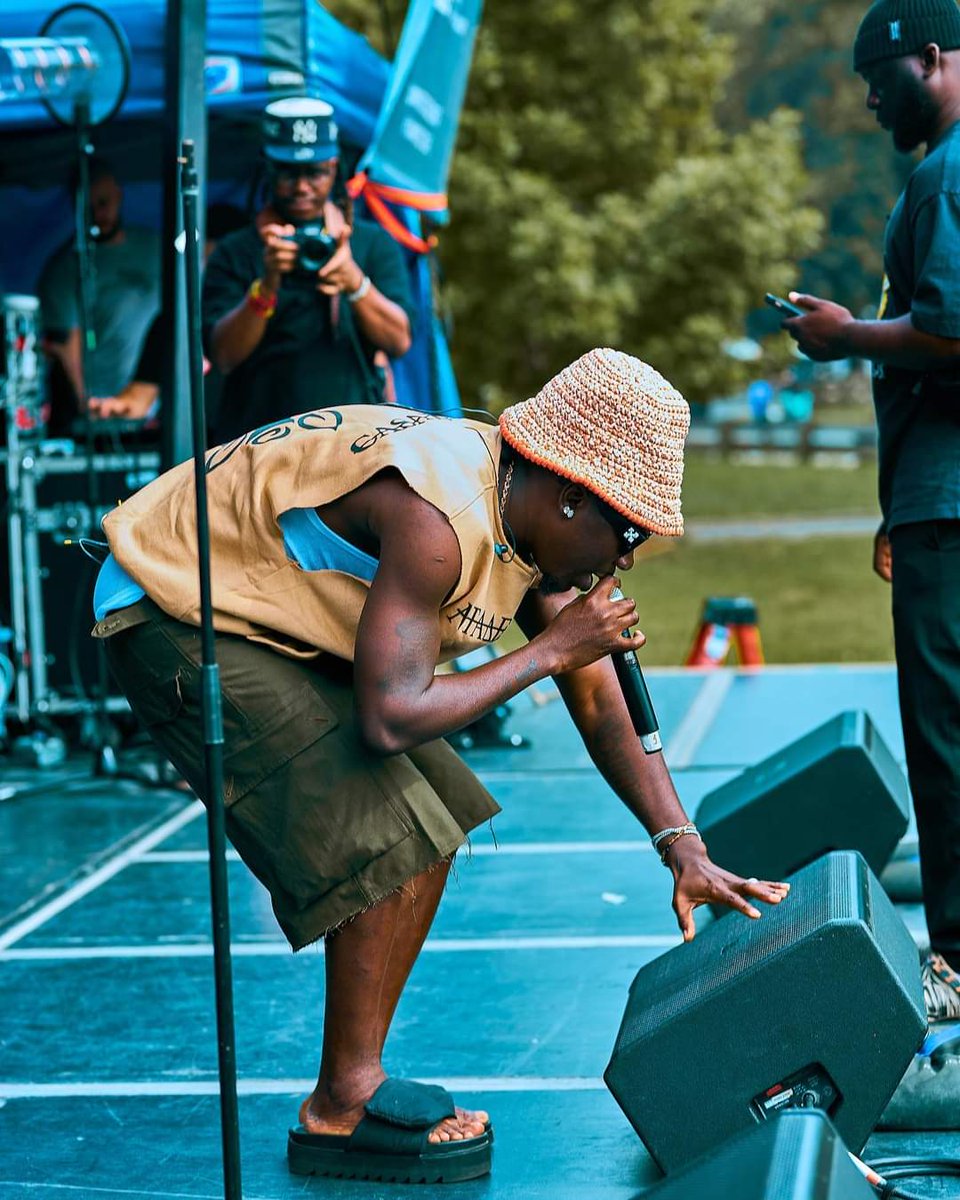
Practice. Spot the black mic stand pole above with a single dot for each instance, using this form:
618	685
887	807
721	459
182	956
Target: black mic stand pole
212	711
82	219
105	762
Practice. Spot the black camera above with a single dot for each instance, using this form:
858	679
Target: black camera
316	246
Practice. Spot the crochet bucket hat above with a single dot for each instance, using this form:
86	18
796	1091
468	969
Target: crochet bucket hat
894	28
614	425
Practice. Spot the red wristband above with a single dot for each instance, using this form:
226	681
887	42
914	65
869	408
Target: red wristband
263	303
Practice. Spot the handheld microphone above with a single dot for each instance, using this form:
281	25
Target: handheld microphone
633	685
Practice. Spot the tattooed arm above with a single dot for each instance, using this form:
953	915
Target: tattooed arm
595	701
400	702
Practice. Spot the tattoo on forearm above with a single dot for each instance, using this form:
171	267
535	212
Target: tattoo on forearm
528	672
406	671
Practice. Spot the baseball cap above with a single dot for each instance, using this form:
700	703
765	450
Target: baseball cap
299	129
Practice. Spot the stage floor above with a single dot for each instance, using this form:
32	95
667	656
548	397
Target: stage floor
108	1045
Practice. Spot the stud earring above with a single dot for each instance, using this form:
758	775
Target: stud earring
567	512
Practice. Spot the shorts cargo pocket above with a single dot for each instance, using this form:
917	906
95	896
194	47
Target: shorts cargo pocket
256	746
163	707
159	702
327	832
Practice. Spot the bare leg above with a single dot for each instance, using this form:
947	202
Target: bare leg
368	962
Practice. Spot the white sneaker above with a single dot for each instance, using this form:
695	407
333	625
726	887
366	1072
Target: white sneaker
941	989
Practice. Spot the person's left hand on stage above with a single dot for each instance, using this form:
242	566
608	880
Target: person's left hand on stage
697	880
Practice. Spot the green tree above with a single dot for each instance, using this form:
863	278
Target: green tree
596	201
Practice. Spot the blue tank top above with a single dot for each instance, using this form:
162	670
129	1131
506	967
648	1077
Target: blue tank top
307	540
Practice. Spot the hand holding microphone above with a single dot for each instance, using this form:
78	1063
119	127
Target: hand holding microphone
635	693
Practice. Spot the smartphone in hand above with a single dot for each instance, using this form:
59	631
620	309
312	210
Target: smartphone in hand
784	307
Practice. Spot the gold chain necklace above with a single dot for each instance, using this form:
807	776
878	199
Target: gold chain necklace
507	480
507	553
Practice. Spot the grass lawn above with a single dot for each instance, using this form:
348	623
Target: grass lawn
818	598
717	489
844	414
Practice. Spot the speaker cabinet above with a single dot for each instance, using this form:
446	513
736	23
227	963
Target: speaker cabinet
836	788
795	1156
818	1003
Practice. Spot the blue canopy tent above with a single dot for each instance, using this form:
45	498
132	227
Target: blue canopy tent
256	50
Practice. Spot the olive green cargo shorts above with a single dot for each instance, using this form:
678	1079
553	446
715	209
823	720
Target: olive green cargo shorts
328	827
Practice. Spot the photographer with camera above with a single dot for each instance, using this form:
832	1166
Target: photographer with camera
299	306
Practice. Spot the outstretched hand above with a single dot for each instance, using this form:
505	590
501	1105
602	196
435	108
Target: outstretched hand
697	880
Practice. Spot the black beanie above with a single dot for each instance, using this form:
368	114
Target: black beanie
894	28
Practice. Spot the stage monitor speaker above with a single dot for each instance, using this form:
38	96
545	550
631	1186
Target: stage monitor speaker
836	788
796	1156
818	1003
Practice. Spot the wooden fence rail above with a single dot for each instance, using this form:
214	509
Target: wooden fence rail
802	440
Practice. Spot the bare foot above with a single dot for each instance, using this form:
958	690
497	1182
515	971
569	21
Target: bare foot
466	1124
320	1113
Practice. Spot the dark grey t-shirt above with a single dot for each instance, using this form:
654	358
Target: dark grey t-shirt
918	414
125	299
304	360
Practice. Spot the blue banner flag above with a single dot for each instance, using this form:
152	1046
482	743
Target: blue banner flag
417	127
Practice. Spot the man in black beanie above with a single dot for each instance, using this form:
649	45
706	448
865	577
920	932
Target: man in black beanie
908	52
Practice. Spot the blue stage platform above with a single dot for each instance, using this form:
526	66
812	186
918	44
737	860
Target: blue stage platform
107	1041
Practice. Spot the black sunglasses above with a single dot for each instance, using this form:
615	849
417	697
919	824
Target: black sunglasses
630	534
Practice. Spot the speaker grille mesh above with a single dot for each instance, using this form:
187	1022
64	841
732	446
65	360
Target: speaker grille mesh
796	1156
797	1162
828	978
736	945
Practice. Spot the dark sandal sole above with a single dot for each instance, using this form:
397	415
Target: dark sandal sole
449	1165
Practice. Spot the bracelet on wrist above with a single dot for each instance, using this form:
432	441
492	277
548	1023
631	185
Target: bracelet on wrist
263	303
663	840
365	285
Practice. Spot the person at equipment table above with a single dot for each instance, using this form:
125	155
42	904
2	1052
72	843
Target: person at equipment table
140	398
124	298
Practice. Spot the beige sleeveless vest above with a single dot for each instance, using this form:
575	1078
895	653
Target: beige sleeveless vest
303	462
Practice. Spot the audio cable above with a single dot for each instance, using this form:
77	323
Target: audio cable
883	1174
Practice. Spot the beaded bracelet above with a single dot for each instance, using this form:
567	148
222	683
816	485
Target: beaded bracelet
684	833
663	840
263	303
